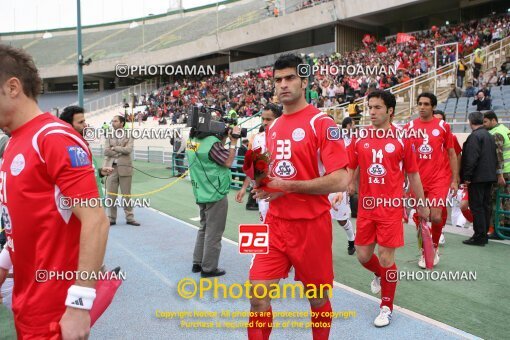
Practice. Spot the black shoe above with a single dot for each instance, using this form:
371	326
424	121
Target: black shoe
252	207
112	223
116	270
133	223
196	268
350	248
493	236
217	272
474	242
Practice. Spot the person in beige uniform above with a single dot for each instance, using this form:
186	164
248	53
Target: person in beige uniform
117	151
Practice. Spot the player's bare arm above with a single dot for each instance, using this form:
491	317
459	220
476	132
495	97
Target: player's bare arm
417	187
455	170
75	323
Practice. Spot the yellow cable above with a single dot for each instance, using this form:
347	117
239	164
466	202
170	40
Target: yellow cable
153	191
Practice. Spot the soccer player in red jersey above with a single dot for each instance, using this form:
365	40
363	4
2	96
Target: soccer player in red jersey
306	165
382	163
45	161
437	162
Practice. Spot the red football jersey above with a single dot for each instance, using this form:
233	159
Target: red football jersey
433	139
301	148
382	163
456	146
44	160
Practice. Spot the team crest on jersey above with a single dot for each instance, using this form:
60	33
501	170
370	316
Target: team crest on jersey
298	134
425	149
17	165
435	132
366	145
6	219
389	148
284	169
78	156
376	170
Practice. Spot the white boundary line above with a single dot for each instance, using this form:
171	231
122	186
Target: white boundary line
402	310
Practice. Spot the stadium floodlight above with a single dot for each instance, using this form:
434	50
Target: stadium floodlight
47	35
447	22
134	24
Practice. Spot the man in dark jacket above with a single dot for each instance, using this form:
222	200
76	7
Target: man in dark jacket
479	163
482	102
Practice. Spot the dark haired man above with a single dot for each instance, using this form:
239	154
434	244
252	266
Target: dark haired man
305	166
382	163
117	150
269	113
74	240
479	163
437	162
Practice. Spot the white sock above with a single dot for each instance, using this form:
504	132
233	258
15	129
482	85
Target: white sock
348	230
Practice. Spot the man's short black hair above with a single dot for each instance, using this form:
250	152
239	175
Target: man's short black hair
476	118
277	110
69	112
431	96
287	60
490	115
439	112
388	98
480	91
346	121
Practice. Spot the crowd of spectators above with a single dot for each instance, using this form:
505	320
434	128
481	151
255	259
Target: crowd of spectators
410	54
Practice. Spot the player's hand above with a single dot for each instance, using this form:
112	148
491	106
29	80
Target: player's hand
351	189
501	180
337	199
266	196
454	187
75	324
106	171
279	184
240	195
423	212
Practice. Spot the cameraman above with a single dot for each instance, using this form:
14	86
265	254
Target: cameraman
209	164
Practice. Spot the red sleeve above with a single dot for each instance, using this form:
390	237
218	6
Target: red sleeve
410	164
456	145
69	165
333	154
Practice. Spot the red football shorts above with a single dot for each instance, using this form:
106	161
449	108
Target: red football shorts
388	234
437	195
304	244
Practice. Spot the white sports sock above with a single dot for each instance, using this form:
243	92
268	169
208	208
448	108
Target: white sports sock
349	231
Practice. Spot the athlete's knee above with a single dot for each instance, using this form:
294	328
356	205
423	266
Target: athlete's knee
318	302
363	256
259	305
436	216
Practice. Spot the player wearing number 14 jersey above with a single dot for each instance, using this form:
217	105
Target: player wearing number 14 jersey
382	163
437	163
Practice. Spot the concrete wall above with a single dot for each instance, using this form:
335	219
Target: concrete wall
270	28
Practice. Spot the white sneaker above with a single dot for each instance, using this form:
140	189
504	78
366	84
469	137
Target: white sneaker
421	262
375	285
441	239
384	317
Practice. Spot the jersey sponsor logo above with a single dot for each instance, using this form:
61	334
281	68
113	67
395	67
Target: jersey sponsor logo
298	134
78	156
17	165
435	132
389	148
284	169
377	170
425	149
6	219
